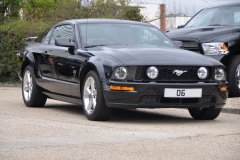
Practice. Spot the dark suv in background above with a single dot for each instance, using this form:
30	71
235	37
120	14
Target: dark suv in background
215	32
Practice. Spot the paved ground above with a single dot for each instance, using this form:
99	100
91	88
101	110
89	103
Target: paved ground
61	131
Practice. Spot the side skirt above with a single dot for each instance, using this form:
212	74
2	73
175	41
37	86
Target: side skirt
63	98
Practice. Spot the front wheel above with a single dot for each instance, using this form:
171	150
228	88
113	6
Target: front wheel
204	113
32	96
233	76
94	106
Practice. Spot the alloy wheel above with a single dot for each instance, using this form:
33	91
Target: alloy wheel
237	76
27	85
90	95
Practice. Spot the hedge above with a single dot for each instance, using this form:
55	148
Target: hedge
38	16
11	35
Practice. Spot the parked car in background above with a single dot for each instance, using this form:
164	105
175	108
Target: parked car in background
102	64
215	32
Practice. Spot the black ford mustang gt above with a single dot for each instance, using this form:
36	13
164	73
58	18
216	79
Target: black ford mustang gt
102	64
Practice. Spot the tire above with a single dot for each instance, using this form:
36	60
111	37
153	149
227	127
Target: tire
233	76
94	106
204	113
31	94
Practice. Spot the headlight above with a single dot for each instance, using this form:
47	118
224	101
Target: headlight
120	73
202	73
152	72
220	74
124	73
215	48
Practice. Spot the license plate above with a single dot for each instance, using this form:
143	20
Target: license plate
183	93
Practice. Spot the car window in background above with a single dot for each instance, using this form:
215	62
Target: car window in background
123	34
63	31
220	16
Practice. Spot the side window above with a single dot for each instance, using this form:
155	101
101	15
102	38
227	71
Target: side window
42	37
64	31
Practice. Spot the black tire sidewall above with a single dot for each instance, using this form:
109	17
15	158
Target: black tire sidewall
231	76
205	113
101	112
37	98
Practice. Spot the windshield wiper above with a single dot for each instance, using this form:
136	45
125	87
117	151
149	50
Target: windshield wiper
97	45
189	26
216	25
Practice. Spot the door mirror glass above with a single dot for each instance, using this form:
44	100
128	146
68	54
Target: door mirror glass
64	42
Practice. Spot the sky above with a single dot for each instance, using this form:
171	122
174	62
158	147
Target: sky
189	6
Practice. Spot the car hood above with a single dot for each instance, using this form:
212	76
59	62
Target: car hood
203	34
158	56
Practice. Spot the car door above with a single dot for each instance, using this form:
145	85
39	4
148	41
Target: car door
43	58
58	60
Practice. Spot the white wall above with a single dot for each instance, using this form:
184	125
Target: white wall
151	13
174	22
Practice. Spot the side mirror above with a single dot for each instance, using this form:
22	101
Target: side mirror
179	43
181	26
31	38
64	42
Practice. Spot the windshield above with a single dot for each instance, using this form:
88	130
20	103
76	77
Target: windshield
123	34
220	16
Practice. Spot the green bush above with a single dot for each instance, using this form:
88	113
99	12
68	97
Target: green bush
8	58
11	35
39	15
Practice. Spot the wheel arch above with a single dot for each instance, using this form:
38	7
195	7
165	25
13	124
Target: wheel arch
87	67
225	60
237	52
28	60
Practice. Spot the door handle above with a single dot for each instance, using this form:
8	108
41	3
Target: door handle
45	53
60	64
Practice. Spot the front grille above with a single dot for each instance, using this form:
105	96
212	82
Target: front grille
179	100
187	44
163	100
192	46
166	73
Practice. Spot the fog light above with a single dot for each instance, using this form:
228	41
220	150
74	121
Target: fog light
223	89
121	88
152	72
220	74
202	73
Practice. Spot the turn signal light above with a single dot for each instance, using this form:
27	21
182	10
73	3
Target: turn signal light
223	89
224	47
121	88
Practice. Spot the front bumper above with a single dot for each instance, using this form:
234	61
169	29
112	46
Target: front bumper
151	95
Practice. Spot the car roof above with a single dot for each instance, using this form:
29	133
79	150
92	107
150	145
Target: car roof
225	5
96	20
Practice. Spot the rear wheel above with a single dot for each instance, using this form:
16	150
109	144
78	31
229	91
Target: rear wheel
233	76
204	113
31	94
94	106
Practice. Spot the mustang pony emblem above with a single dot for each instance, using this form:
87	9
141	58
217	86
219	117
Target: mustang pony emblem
179	72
